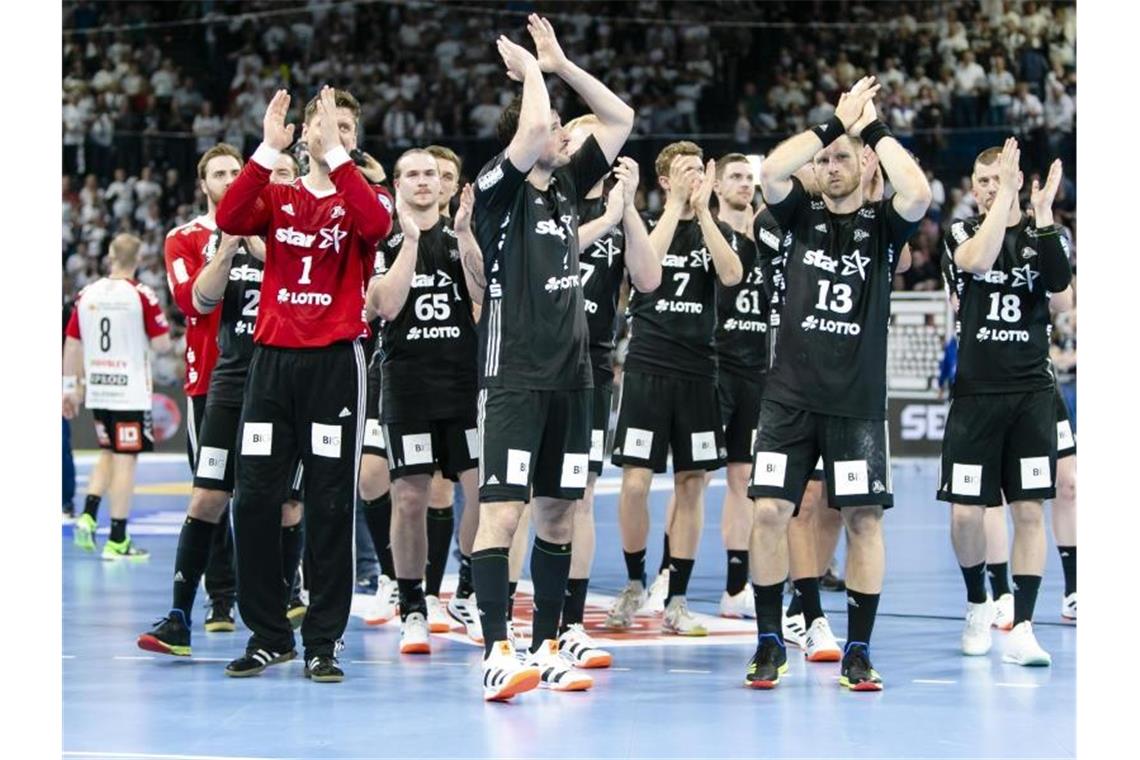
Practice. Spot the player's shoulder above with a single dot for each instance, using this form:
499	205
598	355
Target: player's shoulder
492	172
146	291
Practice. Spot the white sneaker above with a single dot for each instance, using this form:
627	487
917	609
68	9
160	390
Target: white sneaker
385	603
739	605
512	636
628	602
504	675
466	613
820	644
795	630
414	635
555	672
437	619
1021	647
658	590
977	639
1069	607
1003	612
679	621
577	648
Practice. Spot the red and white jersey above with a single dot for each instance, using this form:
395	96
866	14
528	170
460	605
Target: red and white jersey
185	254
116	319
320	248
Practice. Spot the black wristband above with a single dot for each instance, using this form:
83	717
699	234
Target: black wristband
829	131
874	132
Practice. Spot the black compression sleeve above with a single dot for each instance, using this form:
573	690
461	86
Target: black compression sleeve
1056	272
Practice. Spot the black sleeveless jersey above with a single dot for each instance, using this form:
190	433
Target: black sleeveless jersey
235	330
428	350
602	265
673	328
742	317
1003	324
832	352
766	232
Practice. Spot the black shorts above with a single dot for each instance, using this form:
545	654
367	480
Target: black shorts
217	442
533	439
601	401
739	410
999	444
373	433
658	413
421	448
856	457
195	411
124	432
1066	441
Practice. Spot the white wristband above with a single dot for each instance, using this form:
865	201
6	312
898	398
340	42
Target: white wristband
265	156
337	157
70	384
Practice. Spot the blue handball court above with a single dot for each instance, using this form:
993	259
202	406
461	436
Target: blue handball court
663	697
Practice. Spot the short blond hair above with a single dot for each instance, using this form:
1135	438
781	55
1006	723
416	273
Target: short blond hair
586	121
447	154
124	250
221	149
671	151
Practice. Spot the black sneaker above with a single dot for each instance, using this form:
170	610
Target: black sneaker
323	668
829	581
221	617
170	635
768	663
295	611
856	672
368	584
254	661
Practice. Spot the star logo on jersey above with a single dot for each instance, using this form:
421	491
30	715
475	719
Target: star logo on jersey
1024	275
330	238
288	209
854	262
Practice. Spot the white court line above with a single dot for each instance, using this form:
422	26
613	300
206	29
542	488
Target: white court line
370	662
69	657
933	680
620	670
1019	685
686	670
152	756
133	657
211	659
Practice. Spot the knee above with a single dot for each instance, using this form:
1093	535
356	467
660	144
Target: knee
373	477
1067	484
207	505
688	487
966	518
1028	515
635	482
499	520
410	496
772	514
863	523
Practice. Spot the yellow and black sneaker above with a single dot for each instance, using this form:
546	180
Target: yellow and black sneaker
856	672
295	611
171	635
768	663
221	617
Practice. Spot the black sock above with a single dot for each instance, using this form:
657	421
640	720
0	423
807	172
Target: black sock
1025	589
807	592
464	589
549	570
91	506
768	600
378	517
795	607
737	577
975	578
635	565
512	587
861	609
999	578
679	572
1069	566
118	530
574	605
292	541
190	562
490	571
666	556
440	526
411	597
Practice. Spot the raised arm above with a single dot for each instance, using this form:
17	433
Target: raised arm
1056	270
534	117
210	285
979	253
681	185
912	192
778	166
243	210
615	117
641	259
469	254
590	232
388	293
729	270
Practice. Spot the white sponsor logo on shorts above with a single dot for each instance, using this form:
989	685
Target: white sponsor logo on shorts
417	448
373	436
1035	472
597	445
966	479
518	467
1064	435
472	442
704	446
851	477
768	469
326	440
575	468
212	462
638	443
257	439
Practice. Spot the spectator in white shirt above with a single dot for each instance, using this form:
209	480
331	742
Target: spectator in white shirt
969	81
485	116
399	125
206	127
1001	85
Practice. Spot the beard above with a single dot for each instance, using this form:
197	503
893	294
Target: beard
736	205
845	189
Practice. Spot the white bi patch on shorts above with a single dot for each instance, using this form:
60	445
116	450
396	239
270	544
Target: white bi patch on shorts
704	446
638	443
518	467
373	433
1035	472
257	439
212	462
1064	435
473	442
851	478
966	479
768	469
326	440
597	445
417	449
575	468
